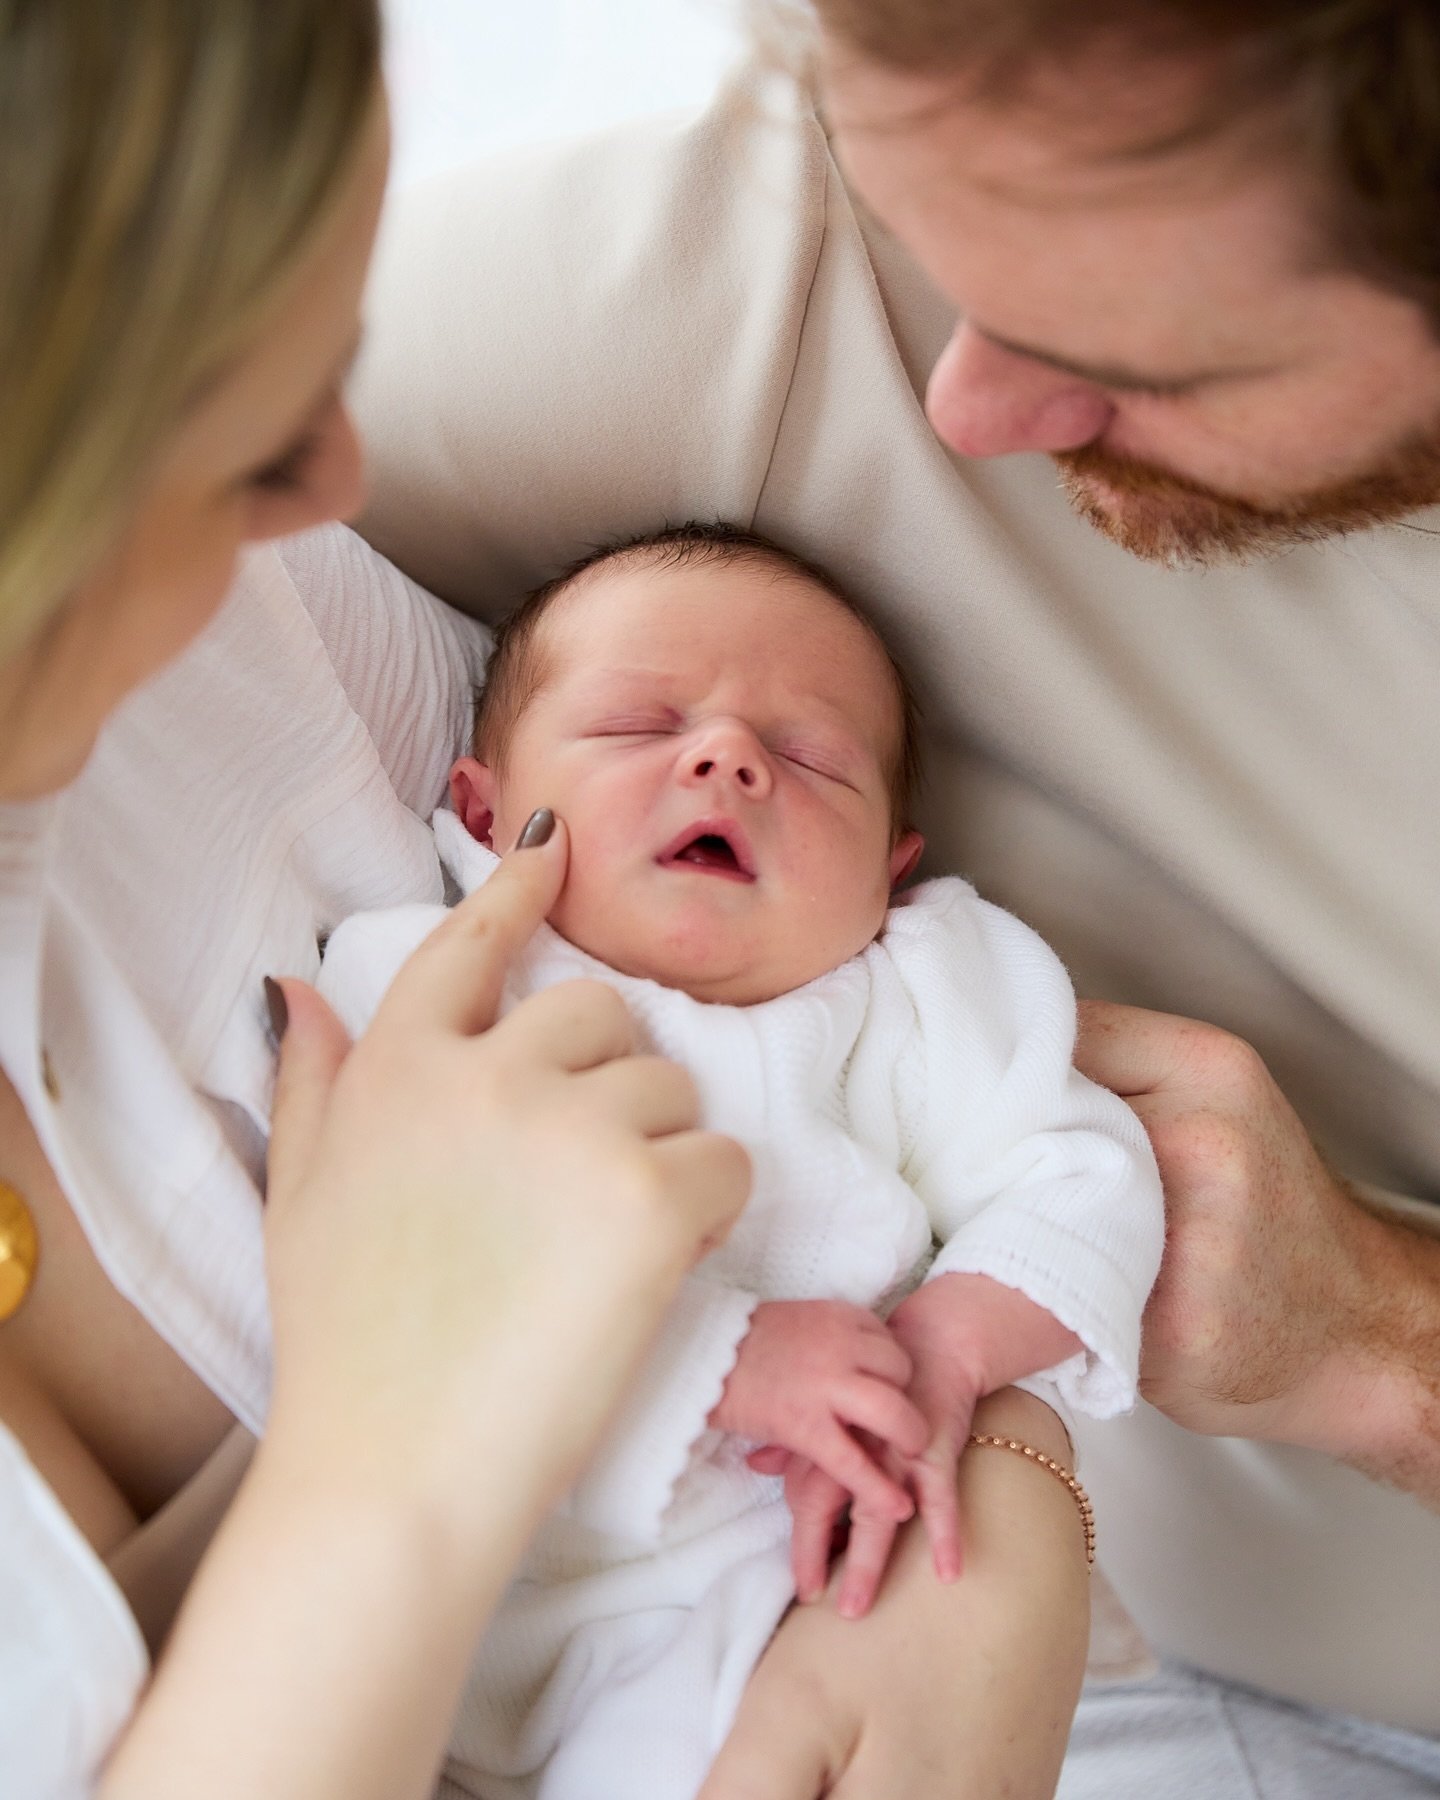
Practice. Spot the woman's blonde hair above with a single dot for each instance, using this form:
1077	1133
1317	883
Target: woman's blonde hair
164	166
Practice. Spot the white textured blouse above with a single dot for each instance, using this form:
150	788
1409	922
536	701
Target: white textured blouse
269	783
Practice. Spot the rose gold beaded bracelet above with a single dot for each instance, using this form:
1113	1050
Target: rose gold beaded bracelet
987	1440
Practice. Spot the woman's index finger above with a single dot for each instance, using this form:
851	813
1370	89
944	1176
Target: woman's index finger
454	980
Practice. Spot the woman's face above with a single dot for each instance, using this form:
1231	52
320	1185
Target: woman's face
270	450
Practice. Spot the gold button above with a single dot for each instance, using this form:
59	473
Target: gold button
47	1075
19	1250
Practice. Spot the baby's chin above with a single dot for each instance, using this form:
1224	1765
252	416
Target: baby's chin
710	963
704	972
719	942
705	960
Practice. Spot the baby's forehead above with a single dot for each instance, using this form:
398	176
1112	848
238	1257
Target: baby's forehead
756	616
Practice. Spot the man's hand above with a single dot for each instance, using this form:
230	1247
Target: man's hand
1284	1310
810	1374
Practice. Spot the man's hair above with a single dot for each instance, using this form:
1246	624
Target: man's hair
1357	82
518	667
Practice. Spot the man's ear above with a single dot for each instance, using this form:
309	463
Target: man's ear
909	847
472	794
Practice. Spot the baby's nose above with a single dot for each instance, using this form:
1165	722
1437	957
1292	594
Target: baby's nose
729	751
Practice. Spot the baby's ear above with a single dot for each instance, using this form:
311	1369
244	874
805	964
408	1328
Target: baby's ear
909	847
472	794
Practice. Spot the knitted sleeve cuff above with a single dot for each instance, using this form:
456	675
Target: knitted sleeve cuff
627	1488
1074	1282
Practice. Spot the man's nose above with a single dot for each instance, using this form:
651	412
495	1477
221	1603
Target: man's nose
985	400
727	750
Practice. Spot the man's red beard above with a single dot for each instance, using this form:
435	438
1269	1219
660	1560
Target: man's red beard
1167	518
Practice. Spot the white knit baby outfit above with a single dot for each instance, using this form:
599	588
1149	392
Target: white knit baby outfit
922	1092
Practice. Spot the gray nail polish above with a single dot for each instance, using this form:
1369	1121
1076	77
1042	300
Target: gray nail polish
539	829
279	1011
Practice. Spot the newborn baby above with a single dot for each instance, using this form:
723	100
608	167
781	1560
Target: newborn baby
733	750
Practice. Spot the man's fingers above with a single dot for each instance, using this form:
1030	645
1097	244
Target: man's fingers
454	980
311	1051
1134	1052
1125	1048
886	1413
872	1536
651	1095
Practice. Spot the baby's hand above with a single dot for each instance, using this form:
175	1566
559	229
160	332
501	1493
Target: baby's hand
810	1374
967	1336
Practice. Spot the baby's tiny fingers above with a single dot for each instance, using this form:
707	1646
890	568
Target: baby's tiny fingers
844	1461
937	1497
886	1413
882	1354
769	1459
816	1502
871	1538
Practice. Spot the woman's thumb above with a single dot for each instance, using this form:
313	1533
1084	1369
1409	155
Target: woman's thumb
312	1044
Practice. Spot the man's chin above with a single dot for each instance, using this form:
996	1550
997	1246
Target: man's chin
1184	530
1167	519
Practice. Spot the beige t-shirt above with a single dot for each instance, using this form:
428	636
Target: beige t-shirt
1213	792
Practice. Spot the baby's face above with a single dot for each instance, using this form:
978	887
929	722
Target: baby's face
718	740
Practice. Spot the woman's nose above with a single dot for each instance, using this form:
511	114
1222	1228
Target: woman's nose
985	400
727	751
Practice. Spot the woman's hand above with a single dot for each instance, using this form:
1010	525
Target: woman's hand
965	1688
473	1228
473	1231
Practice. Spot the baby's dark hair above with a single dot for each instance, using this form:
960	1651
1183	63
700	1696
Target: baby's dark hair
517	666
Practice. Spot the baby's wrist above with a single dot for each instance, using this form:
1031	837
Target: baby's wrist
992	1334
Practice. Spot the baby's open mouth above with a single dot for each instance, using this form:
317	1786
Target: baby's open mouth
712	849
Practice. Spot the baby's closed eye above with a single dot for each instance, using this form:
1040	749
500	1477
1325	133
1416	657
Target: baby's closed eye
634	725
817	761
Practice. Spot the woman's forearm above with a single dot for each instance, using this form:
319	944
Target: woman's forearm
321	1650
966	1689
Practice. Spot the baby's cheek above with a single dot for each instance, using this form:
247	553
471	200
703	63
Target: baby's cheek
595	908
